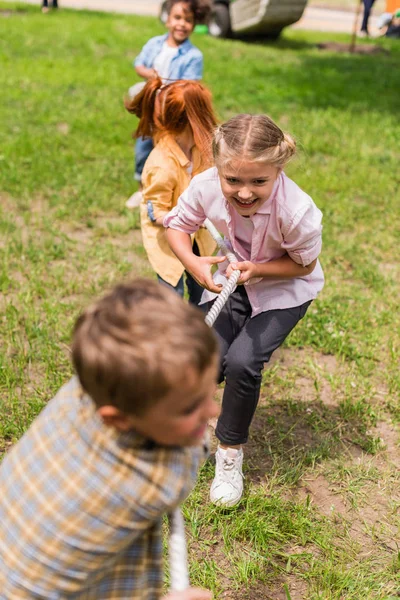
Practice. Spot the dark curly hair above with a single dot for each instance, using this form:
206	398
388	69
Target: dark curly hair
200	8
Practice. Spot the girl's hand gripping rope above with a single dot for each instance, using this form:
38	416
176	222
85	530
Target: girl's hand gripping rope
200	269
248	271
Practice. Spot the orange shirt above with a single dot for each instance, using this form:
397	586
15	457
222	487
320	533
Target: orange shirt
166	175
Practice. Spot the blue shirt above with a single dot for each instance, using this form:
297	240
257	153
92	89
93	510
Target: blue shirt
187	64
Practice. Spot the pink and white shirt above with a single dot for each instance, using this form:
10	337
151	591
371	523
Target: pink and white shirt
287	223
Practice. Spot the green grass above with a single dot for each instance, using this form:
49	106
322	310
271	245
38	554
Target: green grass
320	519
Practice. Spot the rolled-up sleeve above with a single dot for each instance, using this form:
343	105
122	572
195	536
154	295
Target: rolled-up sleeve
158	187
188	215
302	239
142	60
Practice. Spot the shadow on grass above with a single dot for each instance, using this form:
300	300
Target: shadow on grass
289	438
295	73
282	43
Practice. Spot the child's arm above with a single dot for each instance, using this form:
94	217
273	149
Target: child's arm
181	222
146	72
198	266
142	64
159	184
281	268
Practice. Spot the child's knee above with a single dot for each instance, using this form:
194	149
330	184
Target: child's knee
242	367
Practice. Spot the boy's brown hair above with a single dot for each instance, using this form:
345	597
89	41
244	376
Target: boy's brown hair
134	346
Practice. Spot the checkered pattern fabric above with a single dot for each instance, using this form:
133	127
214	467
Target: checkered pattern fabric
81	506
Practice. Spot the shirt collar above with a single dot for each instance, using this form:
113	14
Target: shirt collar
128	439
170	143
182	48
185	47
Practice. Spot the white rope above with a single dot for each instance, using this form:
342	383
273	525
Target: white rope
178	567
232	281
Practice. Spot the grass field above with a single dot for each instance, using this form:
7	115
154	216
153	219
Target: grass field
320	519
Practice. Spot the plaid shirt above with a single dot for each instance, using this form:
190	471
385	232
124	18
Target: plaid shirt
81	506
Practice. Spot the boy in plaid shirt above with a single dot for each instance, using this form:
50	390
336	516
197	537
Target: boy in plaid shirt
83	493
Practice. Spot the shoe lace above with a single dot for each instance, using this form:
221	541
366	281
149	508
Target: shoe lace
229	464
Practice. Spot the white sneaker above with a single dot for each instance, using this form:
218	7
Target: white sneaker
227	487
135	200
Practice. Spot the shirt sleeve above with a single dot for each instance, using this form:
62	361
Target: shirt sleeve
188	215
158	188
165	483
142	60
194	68
302	238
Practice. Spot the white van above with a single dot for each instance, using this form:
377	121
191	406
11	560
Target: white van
264	18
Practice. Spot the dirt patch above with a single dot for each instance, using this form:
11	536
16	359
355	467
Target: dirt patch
5	13
5	446
310	372
79	235
323	496
63	128
358	48
390	438
297	589
388	269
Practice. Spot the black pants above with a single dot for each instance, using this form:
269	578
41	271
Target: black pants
368	4
54	3
245	345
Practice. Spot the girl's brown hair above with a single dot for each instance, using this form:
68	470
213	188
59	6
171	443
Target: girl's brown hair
199	8
255	137
168	109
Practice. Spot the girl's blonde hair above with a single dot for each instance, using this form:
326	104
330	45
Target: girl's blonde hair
168	109
253	137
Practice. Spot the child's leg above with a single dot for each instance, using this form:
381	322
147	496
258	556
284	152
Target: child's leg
143	147
179	288
243	358
243	364
367	11
229	323
194	289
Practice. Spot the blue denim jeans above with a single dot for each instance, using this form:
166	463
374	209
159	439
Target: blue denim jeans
143	147
195	290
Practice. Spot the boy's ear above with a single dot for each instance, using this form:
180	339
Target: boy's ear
113	417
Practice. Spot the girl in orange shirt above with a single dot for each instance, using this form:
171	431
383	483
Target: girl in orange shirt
180	118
